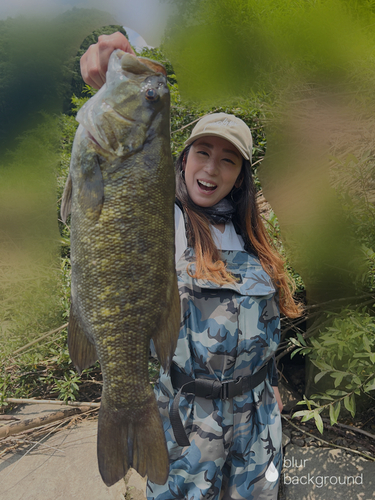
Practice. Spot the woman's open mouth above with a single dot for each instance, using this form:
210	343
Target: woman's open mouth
207	187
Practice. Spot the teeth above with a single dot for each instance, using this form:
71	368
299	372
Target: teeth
207	184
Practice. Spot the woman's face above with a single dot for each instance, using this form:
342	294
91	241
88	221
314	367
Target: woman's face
211	170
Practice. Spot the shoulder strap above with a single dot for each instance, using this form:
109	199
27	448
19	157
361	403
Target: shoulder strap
247	243
179	204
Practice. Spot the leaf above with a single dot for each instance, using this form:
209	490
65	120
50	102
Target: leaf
357	324
320	375
300	413
334	411
321	365
307	417
370	386
328	398
331	342
336	392
318	421
352	397
294	341
366	343
338	376
295	352
349	403
301	339
352	158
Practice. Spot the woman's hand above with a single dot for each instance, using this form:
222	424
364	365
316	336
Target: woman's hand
94	62
278	397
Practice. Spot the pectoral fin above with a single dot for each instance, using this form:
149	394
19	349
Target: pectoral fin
82	351
66	203
165	340
90	186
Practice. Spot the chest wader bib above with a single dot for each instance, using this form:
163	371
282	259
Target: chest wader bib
227	332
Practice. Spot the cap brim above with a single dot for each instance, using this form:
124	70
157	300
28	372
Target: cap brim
243	153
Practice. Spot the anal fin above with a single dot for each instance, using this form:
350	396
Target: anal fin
82	351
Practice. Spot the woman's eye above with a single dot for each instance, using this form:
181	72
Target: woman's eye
229	161
203	153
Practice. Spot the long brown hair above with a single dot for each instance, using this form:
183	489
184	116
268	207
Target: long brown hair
248	224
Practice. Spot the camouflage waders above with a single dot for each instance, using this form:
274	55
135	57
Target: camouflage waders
226	332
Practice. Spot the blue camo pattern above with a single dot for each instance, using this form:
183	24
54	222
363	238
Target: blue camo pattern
226	332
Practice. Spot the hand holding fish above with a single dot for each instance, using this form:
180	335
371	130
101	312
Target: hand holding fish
94	62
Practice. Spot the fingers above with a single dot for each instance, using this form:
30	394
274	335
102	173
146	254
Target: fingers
94	62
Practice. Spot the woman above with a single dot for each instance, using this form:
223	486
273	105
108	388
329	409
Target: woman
220	405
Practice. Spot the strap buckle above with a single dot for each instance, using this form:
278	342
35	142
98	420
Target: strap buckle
231	388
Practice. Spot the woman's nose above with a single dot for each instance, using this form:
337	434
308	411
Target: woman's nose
211	167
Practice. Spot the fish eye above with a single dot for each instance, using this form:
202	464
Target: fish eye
151	95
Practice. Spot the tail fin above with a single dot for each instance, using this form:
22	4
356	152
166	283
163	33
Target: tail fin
132	439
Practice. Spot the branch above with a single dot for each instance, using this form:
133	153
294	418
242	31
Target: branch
326	442
30	423
51	402
349	428
44	336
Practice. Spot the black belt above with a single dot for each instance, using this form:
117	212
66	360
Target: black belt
209	389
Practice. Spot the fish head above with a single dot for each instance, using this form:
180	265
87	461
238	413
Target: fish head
131	108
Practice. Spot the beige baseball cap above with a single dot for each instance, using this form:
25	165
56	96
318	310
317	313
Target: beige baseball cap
228	127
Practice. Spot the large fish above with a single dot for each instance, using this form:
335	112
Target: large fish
120	192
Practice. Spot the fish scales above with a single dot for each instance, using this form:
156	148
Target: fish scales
124	288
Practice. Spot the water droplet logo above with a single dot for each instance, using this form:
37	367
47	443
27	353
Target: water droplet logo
271	473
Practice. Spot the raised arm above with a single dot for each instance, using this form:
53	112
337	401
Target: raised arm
94	61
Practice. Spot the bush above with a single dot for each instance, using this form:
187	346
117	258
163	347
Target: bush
346	352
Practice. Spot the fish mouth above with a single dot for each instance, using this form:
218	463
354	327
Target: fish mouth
205	186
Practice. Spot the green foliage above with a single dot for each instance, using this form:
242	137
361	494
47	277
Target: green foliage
46	372
268	44
273	229
353	180
29	260
67	387
345	351
301	346
36	61
153	370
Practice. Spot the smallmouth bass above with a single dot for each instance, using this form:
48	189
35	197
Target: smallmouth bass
120	192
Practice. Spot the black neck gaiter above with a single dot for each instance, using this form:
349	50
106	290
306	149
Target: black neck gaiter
220	213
